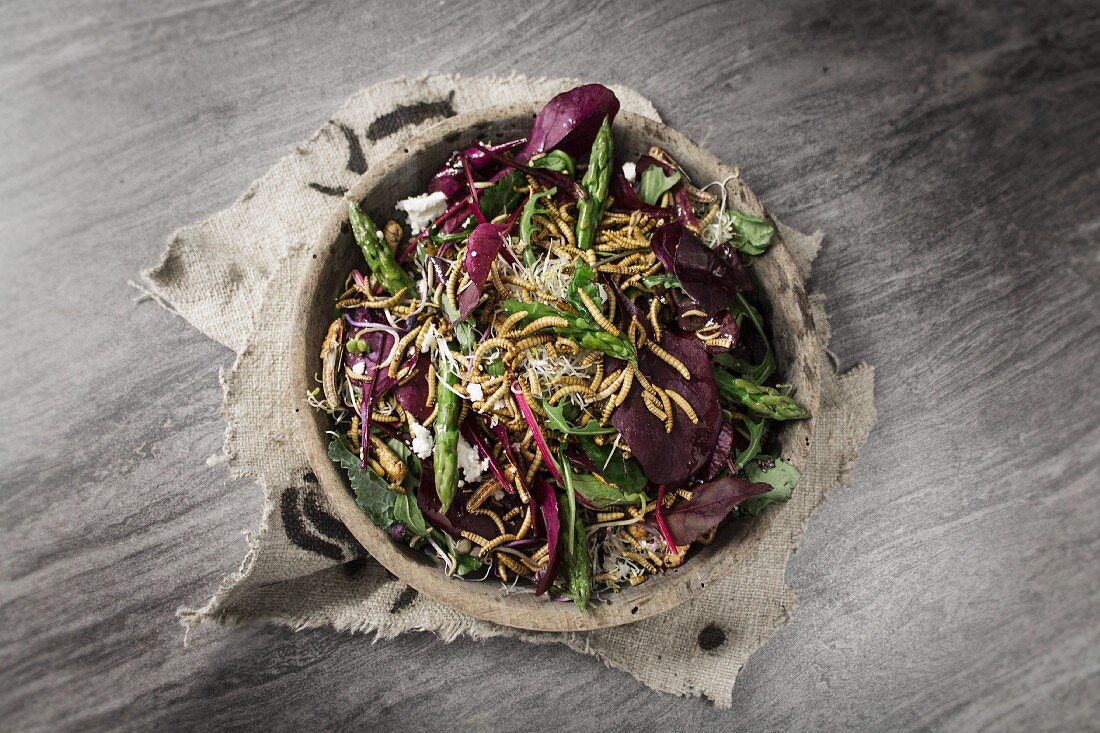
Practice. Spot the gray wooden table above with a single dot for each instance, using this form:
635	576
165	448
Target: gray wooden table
951	153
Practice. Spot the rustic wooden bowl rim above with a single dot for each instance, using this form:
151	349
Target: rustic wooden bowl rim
780	288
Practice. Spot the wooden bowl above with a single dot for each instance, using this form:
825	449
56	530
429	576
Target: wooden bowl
406	173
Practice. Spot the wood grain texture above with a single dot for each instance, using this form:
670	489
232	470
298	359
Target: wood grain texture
950	151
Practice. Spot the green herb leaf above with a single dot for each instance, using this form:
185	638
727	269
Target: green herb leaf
756	373
603	495
584	280
502	197
749	234
614	467
654	183
756	435
526	226
558	420
372	493
556	160
466	564
781	476
668	280
406	511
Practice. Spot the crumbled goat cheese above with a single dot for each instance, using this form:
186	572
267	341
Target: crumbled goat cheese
630	171
422	210
359	367
422	442
468	463
475	391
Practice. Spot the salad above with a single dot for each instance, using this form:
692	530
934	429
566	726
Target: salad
557	377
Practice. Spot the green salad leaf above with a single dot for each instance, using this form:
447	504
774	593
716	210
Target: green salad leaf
526	226
466	564
778	474
558	418
502	197
408	513
372	494
756	436
742	310
654	183
603	495
556	160
668	280
749	234
614	467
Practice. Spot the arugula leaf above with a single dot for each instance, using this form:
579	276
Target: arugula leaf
756	435
555	416
372	494
756	373
584	279
526	227
502	197
781	476
654	183
749	234
626	473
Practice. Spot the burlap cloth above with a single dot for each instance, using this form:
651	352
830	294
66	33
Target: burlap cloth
234	277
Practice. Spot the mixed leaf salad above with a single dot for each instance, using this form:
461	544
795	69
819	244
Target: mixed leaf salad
560	375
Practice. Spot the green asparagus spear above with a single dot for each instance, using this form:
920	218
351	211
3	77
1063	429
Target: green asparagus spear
597	180
758	399
580	581
378	254
446	439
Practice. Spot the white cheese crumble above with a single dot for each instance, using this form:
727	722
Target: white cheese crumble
475	391
359	367
422	440
630	171
468	463
422	210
